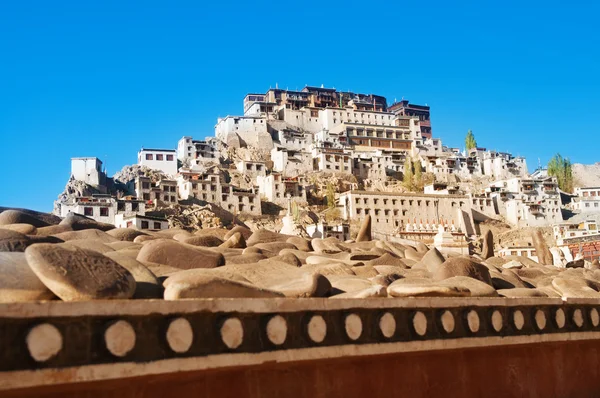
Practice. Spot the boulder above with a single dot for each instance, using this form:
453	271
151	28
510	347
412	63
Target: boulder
348	283
387	259
90	244
80	222
13	241
364	233
26	229
245	232
476	287
93	234
273	248
487	246
513	264
125	245
301	244
543	252
411	254
79	274
432	259
8	217
181	236
236	240
18	282
144	238
265	236
203	285
205	240
375	291
521	292
179	255
147	285
52	230
422	248
420	287
287	258
249	258
126	234
575	287
462	266
328	269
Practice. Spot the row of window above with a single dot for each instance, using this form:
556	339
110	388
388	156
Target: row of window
159	156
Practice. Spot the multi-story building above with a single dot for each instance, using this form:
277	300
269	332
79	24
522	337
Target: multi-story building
194	152
579	238
89	170
159	159
422	112
162	192
391	212
278	189
139	221
102	208
244	130
587	200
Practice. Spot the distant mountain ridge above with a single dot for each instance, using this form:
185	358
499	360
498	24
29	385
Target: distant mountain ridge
586	175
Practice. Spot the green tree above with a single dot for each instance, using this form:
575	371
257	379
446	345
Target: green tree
330	195
562	169
470	142
418	177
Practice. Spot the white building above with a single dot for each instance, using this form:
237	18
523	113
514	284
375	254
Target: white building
277	189
102	208
139	221
159	159
587	200
251	130
194	152
88	170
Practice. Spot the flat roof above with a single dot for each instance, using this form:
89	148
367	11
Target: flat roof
379	193
157	150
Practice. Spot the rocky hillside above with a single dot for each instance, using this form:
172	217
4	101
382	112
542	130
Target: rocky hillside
586	175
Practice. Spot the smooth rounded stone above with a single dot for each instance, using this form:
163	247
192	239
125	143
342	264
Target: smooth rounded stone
160	270
348	283
396	249
265	236
329	269
217	232
384	280
284	278
182	236
93	234
496	261
533	273
250	258
364	233
252	250
236	240
90	244
52	230
541	248
526	261
288	258
422	248
476	287
521	292
25	229
18	282
421	287
300	255
79	274
487	246
386	259
179	255
507	279
366	271
125	245
246	232
171	232
10	216
513	264
273	247
205	240
43	239
202	285
300	243
580	263
80	222
390	271
144	238
126	234
133	253
375	291
322	246
147	285
549	291
432	259
412	254
574	288
221	272
13	241
359	246
462	266
595	265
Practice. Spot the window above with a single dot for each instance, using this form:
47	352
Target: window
145	225
88	211
135	206
148	156
159	156
146	196
156	225
170	158
120	206
104	211
145	185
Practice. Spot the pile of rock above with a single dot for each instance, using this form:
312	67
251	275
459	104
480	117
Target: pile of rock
80	259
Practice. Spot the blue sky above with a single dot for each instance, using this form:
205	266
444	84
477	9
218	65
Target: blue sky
103	78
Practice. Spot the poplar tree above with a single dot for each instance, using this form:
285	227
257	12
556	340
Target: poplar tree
562	169
470	142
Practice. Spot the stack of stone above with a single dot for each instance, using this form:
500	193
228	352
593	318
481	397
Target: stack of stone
80	259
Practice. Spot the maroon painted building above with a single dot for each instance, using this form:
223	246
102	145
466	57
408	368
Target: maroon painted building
404	108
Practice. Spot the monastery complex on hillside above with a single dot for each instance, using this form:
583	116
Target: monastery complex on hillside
323	131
